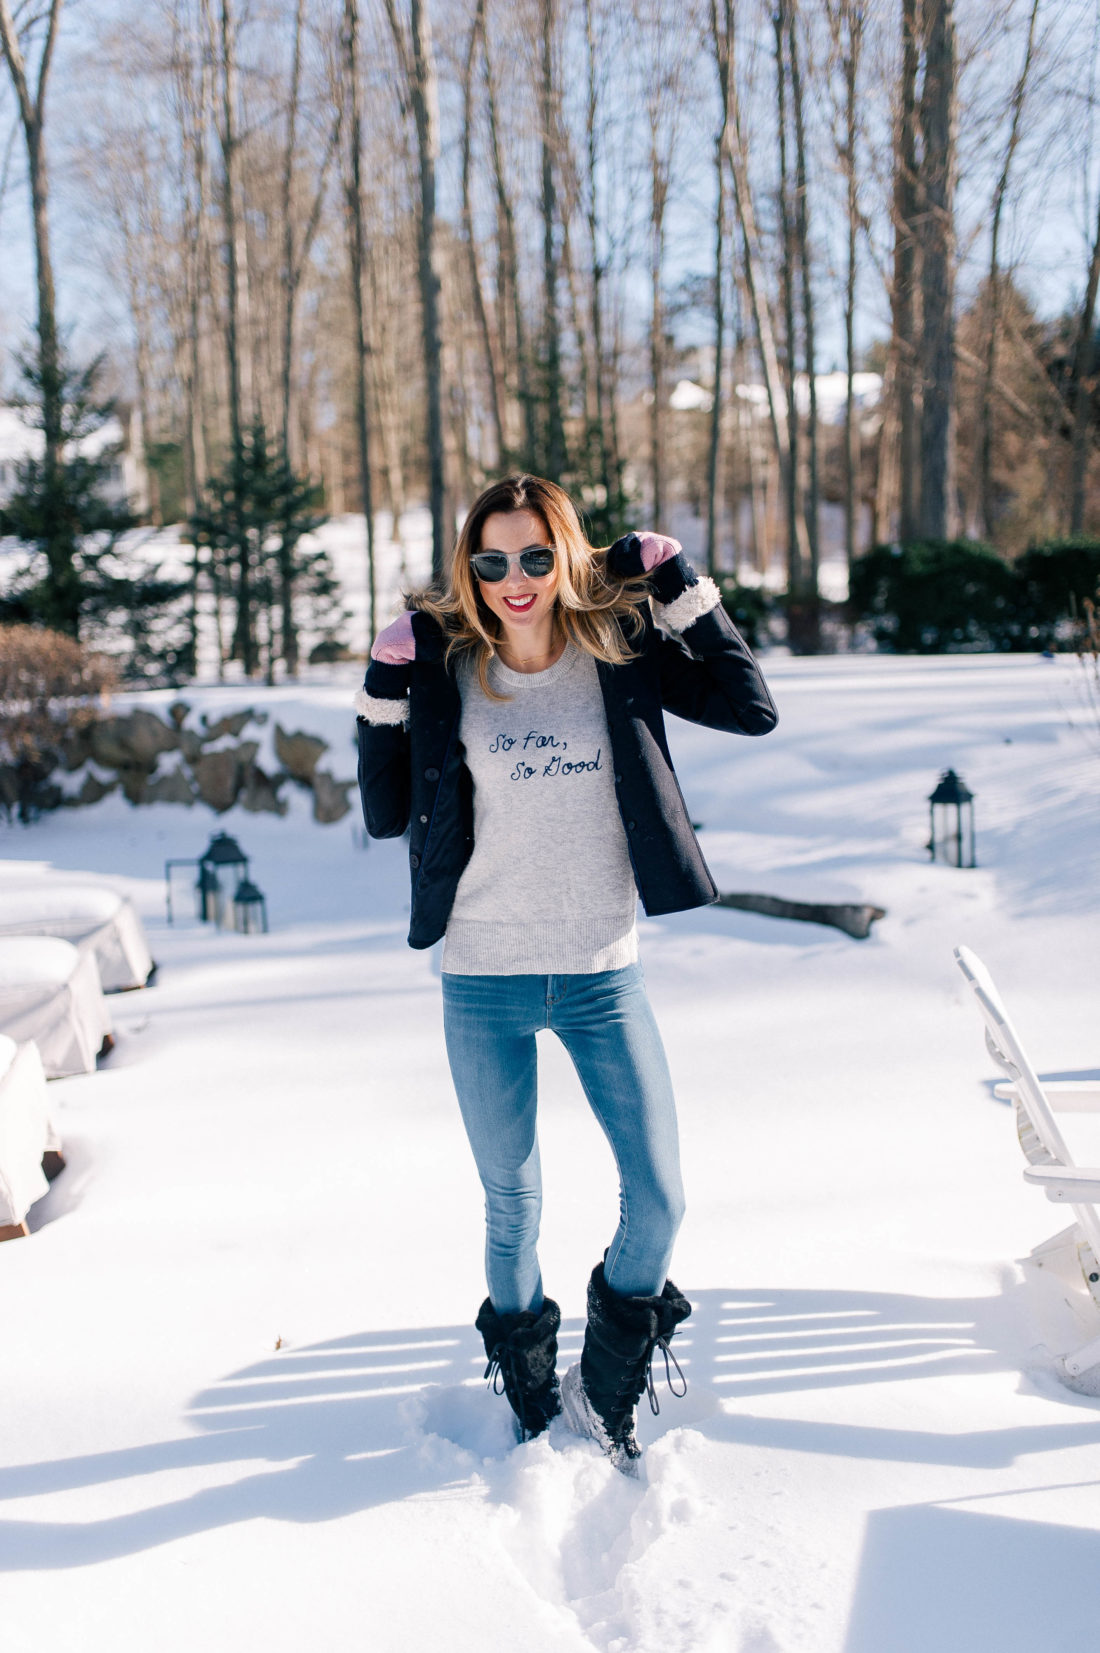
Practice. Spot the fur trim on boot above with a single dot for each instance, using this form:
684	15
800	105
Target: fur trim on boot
522	1352
623	1334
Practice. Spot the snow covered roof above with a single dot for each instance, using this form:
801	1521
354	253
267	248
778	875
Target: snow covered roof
832	394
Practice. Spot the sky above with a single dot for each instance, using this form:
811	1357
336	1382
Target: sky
1047	232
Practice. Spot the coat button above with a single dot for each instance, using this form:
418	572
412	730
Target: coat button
618	780
630	825
414	861
423	820
431	774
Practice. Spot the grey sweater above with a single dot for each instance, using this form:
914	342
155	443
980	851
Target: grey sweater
549	888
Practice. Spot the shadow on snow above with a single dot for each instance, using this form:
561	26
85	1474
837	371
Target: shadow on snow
360	1421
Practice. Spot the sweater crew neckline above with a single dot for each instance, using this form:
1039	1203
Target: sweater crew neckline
504	677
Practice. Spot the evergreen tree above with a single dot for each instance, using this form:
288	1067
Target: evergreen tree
62	510
252	521
80	579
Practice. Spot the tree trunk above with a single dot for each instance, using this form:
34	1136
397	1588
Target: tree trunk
986	506
548	117
938	510
290	270
658	196
715	437
609	477
63	581
853	19
754	276
811	638
189	58
291	276
385	415
1082	405
237	328
905	290
353	196
797	569
425	111
509	301
492	371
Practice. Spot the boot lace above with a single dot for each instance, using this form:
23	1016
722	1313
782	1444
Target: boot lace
670	1361
503	1374
641	1379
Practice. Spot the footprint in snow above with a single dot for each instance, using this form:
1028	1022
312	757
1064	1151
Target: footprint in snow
465	1415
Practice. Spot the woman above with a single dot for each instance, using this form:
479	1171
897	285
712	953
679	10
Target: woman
511	719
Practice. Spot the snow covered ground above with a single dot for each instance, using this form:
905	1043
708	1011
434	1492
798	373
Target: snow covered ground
242	1398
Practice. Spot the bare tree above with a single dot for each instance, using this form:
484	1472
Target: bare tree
802	235
939	110
548	99
356	234
509	299
610	469
60	547
846	23
787	253
661	37
756	291
986	507
1083	354
905	289
222	39
720	37
298	239
487	331
417	61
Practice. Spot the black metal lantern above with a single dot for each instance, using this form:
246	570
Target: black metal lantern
249	909
209	897
222	854
951	807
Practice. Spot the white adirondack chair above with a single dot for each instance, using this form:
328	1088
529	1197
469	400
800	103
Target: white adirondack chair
1050	1164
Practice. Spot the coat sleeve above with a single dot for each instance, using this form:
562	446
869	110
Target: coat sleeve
707	673
382	723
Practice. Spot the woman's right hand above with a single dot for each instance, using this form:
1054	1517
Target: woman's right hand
396	645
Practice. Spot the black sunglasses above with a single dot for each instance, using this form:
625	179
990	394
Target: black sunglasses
536	561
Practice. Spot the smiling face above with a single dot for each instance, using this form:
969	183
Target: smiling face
524	606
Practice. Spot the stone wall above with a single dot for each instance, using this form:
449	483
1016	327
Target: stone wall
151	761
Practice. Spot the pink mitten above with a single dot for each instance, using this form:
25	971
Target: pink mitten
656	549
396	646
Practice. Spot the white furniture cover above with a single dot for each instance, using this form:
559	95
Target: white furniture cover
1050	1164
93	916
50	992
25	1129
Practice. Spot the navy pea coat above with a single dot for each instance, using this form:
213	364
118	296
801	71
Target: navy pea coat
412	775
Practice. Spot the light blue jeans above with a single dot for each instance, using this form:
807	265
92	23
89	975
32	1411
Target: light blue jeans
605	1023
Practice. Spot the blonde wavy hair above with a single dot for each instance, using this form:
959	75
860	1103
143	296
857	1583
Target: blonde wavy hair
593	610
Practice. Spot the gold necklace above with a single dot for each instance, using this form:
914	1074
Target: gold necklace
555	651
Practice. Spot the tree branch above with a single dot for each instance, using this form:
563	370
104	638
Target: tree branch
400	42
9	39
47	55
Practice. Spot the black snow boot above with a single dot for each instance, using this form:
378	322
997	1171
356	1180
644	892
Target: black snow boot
622	1336
522	1351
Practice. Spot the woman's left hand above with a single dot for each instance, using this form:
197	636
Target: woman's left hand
656	549
636	555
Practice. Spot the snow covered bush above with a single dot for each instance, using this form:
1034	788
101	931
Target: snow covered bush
50	688
938	597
